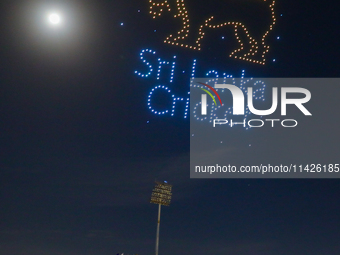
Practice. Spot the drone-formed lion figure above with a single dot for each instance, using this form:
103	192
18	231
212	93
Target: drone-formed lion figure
250	47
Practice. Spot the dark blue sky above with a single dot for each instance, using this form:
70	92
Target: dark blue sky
80	150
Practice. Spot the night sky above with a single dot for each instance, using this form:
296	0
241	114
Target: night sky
80	149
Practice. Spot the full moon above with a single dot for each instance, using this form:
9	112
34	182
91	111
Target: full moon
54	18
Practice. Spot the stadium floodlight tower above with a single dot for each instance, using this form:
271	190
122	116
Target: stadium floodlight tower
161	195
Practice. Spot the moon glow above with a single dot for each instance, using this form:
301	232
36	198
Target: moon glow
54	18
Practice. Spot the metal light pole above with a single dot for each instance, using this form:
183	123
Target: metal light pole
161	195
158	224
